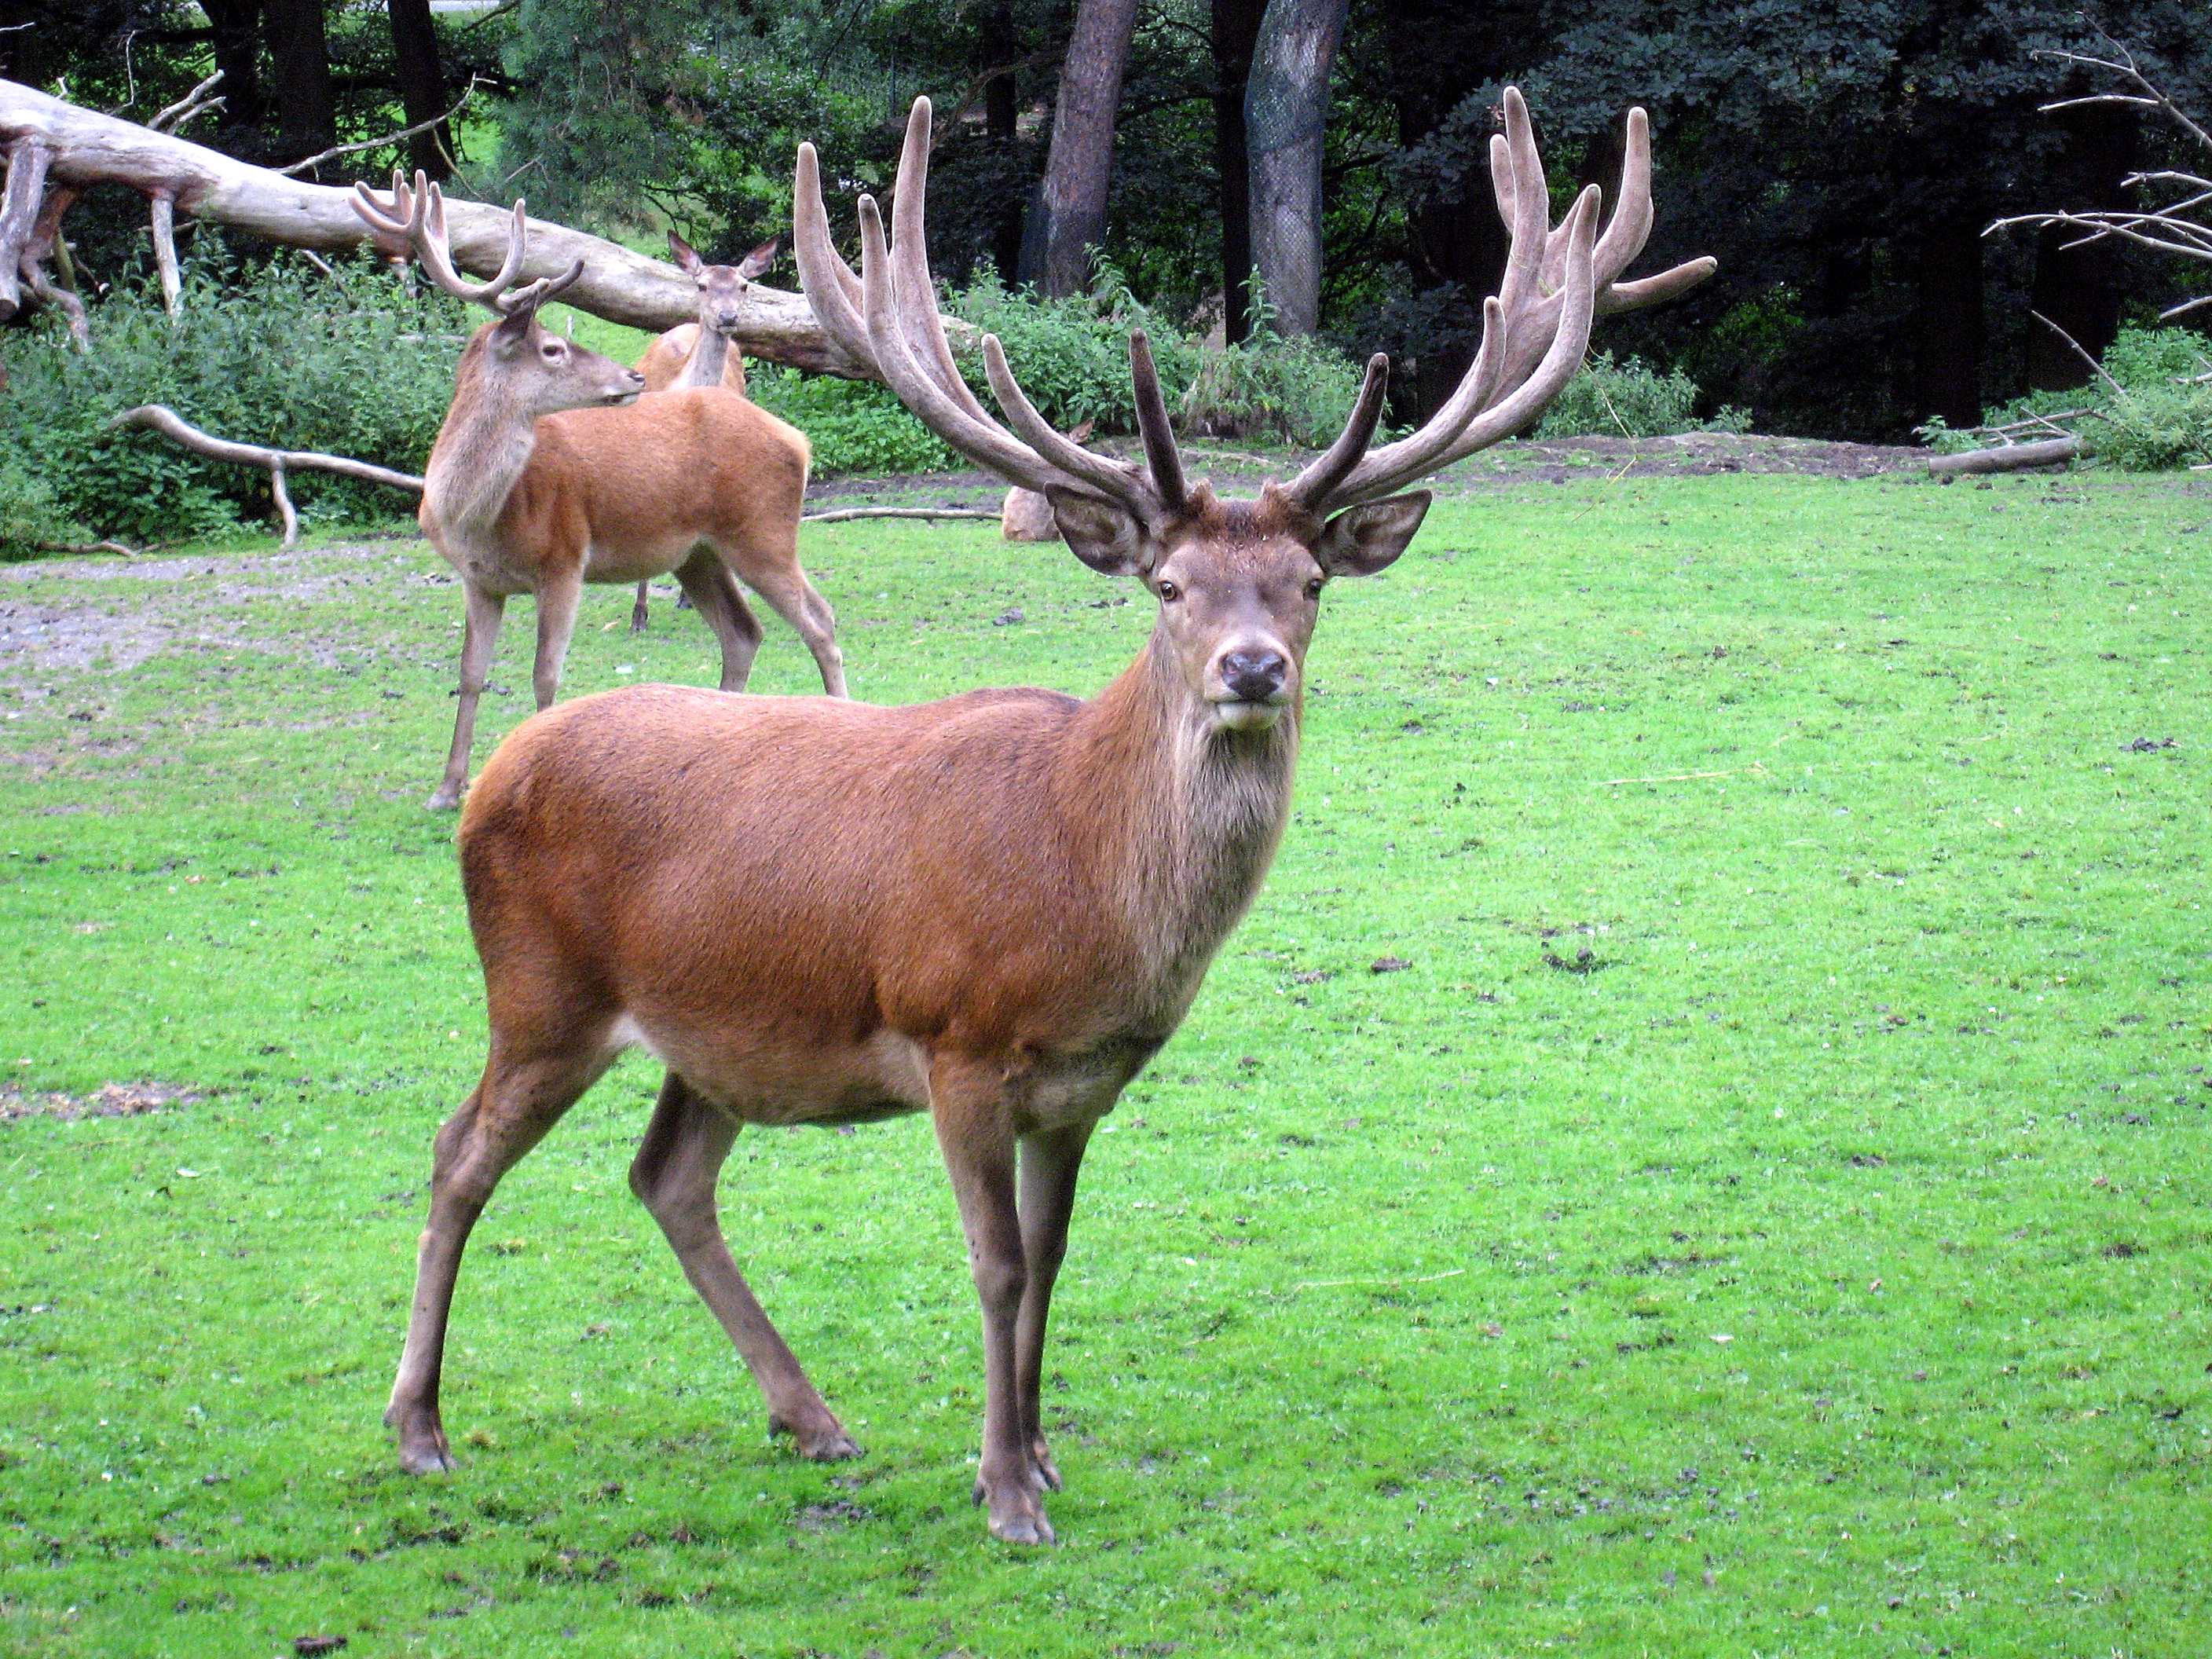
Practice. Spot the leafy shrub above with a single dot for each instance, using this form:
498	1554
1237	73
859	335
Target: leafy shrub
27	514
2160	420
1631	400
283	357
1070	355
1296	390
854	426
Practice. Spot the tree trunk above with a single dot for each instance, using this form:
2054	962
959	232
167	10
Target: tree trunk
2080	288
237	47
300	53
1072	202
1236	33
1286	115
1001	125
422	86
1948	323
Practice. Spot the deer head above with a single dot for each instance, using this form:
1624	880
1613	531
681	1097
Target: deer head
537	371
725	291
1239	582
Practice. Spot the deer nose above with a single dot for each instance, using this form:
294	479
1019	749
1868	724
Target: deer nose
1255	675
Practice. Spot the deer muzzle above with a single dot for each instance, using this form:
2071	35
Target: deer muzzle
1250	687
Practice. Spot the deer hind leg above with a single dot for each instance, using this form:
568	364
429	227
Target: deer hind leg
1049	1164
485	609
968	1106
637	610
510	1111
673	1176
558	598
715	595
793	597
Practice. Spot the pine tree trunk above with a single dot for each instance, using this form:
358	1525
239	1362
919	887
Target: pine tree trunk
421	85
1236	33
1286	114
300	55
236	25
1072	202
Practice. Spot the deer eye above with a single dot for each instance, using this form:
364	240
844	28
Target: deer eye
1170	593
552	353
1313	588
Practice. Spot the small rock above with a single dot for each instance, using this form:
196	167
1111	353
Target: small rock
1007	617
1389	965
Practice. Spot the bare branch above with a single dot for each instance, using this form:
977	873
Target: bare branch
169	119
2075	346
178	430
378	144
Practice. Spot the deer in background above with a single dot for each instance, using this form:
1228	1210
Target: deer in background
995	908
549	472
702	353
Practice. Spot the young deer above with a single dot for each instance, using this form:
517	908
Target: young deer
994	908
549	472
702	353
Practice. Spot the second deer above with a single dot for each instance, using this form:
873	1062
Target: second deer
549	472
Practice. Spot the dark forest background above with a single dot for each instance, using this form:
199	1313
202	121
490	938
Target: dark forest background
1841	159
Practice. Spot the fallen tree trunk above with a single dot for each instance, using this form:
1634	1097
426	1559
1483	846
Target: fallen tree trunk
49	141
2006	458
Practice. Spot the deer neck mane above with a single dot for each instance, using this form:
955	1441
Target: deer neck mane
487	440
1184	816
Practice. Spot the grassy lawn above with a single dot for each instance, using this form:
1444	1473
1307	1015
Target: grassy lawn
1768	1215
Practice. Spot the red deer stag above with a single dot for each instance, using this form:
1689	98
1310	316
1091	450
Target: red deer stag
550	473
994	908
702	353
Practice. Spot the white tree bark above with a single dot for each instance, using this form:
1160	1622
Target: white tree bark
82	146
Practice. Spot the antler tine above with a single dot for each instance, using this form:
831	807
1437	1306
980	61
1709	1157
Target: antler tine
536	294
1110	477
1163	456
983	442
1515	158
1327	470
1631	227
832	287
406	216
914	293
433	249
1444	441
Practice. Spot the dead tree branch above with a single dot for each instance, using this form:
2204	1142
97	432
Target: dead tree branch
85	147
178	430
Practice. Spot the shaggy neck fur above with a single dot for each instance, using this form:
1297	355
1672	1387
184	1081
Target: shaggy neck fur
486	442
1187	816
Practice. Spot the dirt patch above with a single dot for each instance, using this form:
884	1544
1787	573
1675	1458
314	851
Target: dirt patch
109	1100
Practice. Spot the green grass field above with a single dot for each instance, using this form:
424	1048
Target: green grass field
1768	1216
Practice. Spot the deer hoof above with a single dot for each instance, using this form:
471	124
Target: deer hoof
823	1443
422	1450
447	799
1026	1525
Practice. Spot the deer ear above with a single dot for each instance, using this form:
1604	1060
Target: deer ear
511	332
1105	536
1361	540
687	257
757	262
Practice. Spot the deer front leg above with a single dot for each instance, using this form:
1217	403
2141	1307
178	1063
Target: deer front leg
484	612
1049	1164
968	1105
558	598
637	611
673	1176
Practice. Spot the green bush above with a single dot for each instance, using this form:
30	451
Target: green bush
1295	391
854	426
282	356
1070	355
1631	400
2159	420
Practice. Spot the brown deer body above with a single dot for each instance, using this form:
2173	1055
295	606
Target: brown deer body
995	908
527	493
703	353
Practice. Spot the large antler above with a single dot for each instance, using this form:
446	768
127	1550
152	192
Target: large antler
887	317
1534	329
416	219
